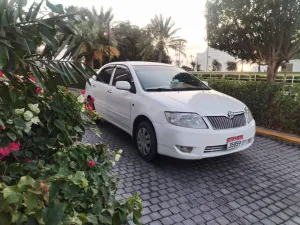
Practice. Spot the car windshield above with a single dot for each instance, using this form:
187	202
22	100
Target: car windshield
167	78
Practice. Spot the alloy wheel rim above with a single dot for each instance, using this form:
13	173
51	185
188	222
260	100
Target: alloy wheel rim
143	141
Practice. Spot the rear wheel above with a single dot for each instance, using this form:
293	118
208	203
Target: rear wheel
146	142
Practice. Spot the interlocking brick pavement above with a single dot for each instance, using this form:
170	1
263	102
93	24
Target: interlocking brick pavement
258	186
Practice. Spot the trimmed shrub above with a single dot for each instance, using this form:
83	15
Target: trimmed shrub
273	106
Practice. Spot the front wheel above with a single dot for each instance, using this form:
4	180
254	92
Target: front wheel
146	142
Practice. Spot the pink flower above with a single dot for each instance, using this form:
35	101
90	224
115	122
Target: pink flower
28	160
82	92
91	163
1	73
4	152
14	146
39	90
90	109
33	79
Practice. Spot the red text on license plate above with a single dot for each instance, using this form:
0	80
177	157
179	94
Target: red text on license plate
236	138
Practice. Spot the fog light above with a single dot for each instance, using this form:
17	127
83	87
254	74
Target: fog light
185	149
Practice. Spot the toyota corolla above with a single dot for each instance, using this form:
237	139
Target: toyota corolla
170	112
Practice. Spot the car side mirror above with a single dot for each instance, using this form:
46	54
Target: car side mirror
206	83
123	85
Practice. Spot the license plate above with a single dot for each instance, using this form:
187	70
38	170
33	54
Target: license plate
234	142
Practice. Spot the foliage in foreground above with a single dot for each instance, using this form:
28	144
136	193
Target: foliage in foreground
46	176
273	106
76	188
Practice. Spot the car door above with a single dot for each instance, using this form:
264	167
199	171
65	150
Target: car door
119	101
100	88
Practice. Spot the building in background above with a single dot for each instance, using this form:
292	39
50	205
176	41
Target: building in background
204	60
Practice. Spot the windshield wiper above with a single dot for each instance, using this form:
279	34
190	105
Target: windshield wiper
191	89
159	89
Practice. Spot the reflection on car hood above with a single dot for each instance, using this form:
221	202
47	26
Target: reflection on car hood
205	103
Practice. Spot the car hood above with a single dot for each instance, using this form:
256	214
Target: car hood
205	103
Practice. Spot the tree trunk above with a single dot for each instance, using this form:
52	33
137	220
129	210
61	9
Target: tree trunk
89	61
160	56
258	67
271	72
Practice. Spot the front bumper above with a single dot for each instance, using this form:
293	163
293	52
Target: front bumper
170	136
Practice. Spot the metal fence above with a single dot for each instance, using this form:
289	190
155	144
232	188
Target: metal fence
290	77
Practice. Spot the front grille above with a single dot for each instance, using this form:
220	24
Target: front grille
215	148
223	122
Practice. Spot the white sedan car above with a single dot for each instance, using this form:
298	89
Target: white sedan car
170	112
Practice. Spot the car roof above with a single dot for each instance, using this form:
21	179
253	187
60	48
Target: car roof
139	63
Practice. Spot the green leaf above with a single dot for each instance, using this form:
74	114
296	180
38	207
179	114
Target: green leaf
105	217
12	136
5	218
92	219
26	181
11	195
20	123
20	133
78	129
97	208
13	95
54	213
51	142
31	201
59	124
56	8
54	189
61	137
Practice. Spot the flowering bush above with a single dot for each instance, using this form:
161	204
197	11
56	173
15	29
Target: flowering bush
38	120
46	176
76	187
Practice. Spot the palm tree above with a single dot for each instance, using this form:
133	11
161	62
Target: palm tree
94	29
161	37
193	64
216	65
231	66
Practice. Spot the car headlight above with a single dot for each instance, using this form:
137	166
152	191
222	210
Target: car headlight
189	120
248	115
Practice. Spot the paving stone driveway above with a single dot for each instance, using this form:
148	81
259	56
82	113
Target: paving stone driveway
258	186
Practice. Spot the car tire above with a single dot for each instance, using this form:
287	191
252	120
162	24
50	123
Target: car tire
145	139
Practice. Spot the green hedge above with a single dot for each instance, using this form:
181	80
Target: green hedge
273	106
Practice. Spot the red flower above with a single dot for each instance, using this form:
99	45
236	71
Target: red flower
2	127
4	152
33	79
14	146
39	90
28	160
82	92
1	73
91	163
90	109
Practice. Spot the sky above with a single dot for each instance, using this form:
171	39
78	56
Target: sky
187	14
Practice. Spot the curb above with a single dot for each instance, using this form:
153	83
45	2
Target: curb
283	136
